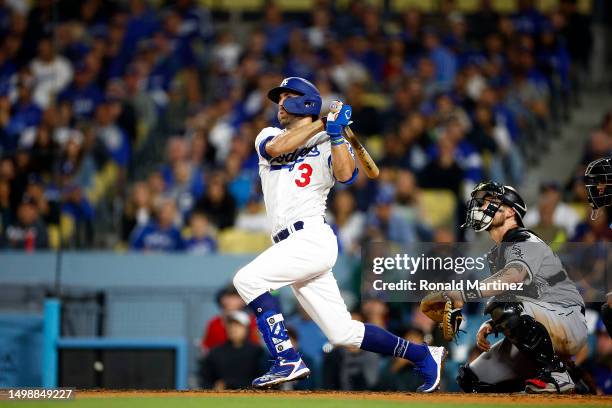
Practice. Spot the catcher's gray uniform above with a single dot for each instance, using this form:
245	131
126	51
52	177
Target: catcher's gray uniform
549	296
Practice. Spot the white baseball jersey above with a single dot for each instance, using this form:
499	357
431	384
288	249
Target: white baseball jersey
295	185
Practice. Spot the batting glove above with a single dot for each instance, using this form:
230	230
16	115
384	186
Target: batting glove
338	117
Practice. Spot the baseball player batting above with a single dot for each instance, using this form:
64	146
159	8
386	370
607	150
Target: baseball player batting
544	324
298	165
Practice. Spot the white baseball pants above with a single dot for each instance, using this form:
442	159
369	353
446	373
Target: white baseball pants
304	260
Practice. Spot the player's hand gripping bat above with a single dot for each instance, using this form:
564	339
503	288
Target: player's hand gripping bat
370	168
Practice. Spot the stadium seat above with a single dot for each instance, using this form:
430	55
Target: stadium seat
376	100
104	180
236	241
375	146
438	207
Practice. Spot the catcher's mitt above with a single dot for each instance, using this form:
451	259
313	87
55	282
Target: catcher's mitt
444	313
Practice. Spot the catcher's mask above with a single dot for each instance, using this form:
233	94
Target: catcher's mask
598	183
479	217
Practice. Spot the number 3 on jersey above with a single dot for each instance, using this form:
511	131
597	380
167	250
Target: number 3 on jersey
304	179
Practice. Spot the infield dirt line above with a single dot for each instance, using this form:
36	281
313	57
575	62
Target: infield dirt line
456	398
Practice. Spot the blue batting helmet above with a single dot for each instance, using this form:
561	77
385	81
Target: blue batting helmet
307	104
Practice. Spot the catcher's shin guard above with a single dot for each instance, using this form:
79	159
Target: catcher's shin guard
526	333
468	381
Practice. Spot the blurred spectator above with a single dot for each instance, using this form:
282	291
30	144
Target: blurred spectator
139	100
201	240
546	228
443	172
276	31
28	232
600	363
348	223
386	223
185	186
23	114
226	52
527	19
483	21
599	145
398	374
215	334
491	138
463	153
160	234
114	139
350	368
77	166
233	364
83	95
563	215
253	216
76	206
366	118
5	205
444	61
51	73
217	204
375	311
138	210
594	230
345	70
320	32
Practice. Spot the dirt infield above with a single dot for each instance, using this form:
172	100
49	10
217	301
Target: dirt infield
442	398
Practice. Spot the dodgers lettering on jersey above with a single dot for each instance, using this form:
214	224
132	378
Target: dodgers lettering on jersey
295	184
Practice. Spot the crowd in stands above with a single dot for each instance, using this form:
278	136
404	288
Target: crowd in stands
131	125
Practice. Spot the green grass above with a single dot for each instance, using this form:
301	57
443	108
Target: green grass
250	402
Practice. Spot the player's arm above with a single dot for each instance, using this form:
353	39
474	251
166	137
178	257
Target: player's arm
343	163
291	139
513	272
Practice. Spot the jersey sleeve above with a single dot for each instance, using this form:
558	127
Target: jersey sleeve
528	254
262	140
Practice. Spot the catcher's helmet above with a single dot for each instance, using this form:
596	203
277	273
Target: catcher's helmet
307	104
479	218
598	183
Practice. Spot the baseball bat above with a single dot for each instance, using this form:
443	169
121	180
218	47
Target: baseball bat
370	168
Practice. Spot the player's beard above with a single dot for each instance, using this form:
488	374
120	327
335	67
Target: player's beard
498	220
286	119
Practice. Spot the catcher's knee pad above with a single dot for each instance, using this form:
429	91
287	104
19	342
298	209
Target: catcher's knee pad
606	317
524	332
468	381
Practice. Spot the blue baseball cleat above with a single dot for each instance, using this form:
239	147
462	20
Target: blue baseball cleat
282	370
431	369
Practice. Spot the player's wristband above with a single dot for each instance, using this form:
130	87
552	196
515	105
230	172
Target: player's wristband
471	294
336	141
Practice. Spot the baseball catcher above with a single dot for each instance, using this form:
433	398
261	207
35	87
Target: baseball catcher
543	324
598	183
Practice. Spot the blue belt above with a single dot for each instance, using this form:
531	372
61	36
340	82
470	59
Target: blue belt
284	234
